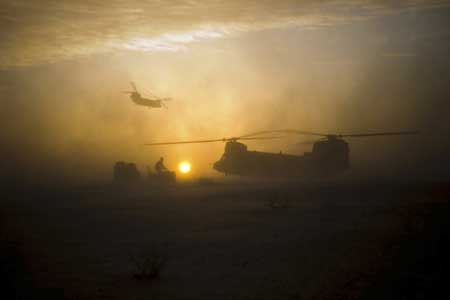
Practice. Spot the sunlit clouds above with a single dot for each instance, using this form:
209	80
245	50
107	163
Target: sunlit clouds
37	32
171	42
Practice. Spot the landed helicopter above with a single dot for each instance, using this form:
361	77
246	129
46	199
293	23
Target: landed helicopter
155	102
329	155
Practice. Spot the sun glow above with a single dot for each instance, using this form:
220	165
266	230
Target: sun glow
184	167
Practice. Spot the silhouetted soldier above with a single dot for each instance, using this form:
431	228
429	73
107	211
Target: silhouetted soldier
160	167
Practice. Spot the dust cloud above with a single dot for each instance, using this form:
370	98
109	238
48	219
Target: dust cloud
68	121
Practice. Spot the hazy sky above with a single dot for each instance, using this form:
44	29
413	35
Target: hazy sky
231	67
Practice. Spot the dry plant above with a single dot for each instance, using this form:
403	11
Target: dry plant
148	261
277	200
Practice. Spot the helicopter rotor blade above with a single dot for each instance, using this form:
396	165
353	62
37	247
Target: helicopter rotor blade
295	131
256	136
134	86
256	133
302	132
379	134
288	131
260	138
214	140
187	142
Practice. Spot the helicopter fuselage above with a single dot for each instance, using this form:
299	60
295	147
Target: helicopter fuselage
139	100
328	157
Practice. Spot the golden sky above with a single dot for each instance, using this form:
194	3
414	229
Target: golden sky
230	67
36	32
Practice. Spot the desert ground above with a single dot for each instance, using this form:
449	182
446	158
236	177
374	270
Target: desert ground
227	240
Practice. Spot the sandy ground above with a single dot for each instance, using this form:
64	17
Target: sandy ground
233	240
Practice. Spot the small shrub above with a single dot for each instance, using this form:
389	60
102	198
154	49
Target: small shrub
278	200
275	204
148	262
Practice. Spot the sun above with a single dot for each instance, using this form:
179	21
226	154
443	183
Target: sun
184	167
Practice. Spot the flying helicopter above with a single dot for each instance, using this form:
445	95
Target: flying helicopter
155	102
329	155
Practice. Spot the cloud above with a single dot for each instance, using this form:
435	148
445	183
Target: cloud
171	42
49	31
400	55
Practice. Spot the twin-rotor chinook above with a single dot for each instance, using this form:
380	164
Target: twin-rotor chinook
329	155
154	102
